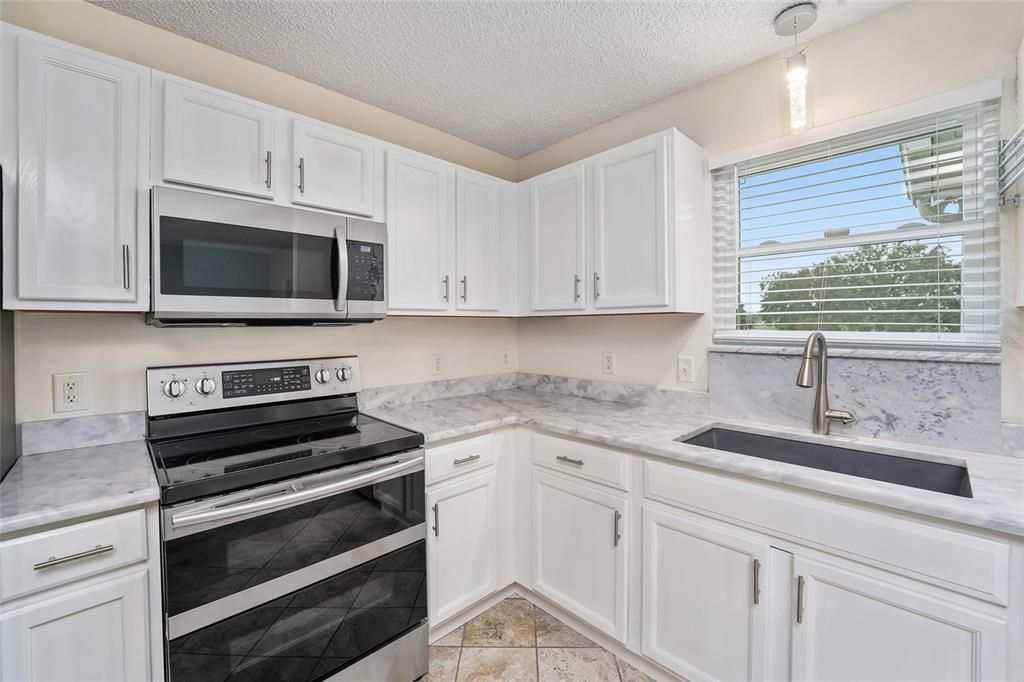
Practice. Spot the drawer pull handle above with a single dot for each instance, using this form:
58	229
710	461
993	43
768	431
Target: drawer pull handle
54	561
471	458
570	460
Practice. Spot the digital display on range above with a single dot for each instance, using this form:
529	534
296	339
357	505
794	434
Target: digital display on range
239	383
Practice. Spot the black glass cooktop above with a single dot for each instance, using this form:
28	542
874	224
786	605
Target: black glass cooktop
197	466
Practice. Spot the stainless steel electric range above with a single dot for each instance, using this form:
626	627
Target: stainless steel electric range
293	525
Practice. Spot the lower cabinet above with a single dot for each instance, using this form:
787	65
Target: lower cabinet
579	550
852	627
461	544
702	586
97	633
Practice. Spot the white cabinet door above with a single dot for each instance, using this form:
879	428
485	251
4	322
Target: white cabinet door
332	169
79	149
97	633
461	545
557	241
631	226
852	627
218	141
419	204
579	550
702	612
477	205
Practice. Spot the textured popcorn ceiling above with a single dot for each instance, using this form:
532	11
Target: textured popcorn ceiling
512	76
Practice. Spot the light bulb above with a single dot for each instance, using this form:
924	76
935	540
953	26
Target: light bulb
796	84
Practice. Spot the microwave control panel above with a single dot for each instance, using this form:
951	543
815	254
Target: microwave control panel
365	271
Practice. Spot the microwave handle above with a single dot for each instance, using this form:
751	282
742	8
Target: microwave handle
341	244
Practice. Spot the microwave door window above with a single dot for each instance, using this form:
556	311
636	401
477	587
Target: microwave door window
199	258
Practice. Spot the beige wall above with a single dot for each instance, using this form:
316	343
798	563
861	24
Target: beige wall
914	51
115	350
76	21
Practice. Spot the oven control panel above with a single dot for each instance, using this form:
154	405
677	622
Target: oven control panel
198	388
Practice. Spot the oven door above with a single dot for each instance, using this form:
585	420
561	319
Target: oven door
302	579
220	258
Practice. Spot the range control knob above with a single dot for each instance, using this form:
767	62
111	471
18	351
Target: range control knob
322	376
206	386
344	374
175	388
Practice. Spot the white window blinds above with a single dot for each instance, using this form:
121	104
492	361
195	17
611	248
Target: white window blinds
889	235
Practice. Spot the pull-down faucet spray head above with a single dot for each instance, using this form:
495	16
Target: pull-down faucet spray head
805	377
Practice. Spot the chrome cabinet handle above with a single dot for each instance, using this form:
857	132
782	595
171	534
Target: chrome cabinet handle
465	287
569	460
757	582
471	458
800	599
445	282
436	524
126	278
292	498
270	156
597	286
575	287
54	561
302	175
616	536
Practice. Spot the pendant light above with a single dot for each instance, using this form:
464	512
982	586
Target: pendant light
790	22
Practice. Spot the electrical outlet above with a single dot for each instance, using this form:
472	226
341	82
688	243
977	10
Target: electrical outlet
608	362
684	368
437	364
70	392
505	359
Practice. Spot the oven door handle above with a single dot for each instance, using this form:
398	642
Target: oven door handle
298	496
341	244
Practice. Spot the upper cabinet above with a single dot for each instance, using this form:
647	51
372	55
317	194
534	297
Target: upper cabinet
218	141
624	231
478	241
557	233
334	169
419	207
74	150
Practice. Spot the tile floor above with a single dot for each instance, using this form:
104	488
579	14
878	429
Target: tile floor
516	641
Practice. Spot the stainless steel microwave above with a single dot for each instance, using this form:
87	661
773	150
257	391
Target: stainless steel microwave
224	261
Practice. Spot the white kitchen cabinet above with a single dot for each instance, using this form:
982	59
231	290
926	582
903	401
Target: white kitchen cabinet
461	544
99	632
79	240
703	615
849	626
332	169
631	225
419	204
219	141
478	241
579	550
557	233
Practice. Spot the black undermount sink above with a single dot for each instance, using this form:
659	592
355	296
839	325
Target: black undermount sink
950	479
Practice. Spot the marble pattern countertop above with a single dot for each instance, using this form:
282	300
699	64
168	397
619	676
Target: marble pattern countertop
62	486
997	481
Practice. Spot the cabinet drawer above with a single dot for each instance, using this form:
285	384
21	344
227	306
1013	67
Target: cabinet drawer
461	457
44	560
591	462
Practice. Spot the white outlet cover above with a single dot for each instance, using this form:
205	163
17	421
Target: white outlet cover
608	362
78	388
684	368
505	359
437	364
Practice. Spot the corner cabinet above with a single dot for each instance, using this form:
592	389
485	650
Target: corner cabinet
478	241
624	231
75	145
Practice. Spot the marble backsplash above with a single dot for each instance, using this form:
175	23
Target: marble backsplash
944	404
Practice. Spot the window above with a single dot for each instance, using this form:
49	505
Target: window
887	236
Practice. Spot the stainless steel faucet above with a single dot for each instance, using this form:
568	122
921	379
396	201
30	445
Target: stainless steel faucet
822	417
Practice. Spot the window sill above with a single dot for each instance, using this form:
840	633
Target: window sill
977	357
